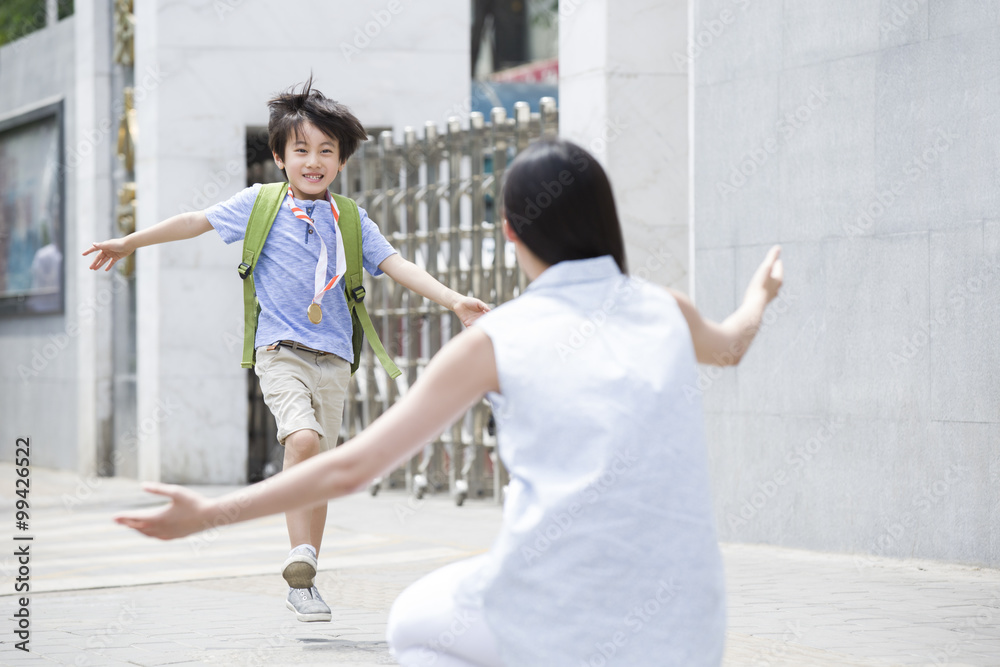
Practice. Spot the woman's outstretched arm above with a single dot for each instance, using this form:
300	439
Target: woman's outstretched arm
455	379
725	344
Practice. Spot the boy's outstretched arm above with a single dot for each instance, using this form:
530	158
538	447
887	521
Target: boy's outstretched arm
455	379
412	277
724	344
176	228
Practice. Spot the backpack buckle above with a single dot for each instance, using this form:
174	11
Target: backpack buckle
358	293
244	270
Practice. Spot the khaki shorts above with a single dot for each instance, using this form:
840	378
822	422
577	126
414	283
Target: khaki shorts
304	390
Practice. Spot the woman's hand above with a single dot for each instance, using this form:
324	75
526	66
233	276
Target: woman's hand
109	251
766	279
725	344
187	513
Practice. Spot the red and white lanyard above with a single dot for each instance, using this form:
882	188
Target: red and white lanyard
322	263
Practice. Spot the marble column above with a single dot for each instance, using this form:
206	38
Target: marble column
91	140
623	95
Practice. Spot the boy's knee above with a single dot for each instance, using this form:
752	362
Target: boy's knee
302	444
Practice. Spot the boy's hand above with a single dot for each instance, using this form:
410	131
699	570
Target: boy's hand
109	251
766	279
469	309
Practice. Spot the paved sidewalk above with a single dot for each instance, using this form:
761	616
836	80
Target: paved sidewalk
104	596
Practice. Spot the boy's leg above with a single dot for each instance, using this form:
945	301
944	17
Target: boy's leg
288	380
305	393
305	526
316	526
328	403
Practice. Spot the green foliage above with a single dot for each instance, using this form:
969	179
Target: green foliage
22	17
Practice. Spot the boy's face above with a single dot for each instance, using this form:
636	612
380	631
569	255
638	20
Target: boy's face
311	162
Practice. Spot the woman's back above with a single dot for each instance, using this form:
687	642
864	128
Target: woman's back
608	552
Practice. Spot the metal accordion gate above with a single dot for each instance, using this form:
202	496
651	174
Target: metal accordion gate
436	199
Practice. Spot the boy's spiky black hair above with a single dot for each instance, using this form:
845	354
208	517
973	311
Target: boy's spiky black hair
289	110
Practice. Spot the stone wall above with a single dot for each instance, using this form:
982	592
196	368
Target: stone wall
862	137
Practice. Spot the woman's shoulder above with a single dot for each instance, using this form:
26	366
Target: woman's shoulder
526	304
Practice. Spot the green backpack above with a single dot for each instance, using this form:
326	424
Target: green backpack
265	209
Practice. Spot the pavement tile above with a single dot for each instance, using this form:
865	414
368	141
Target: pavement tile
222	601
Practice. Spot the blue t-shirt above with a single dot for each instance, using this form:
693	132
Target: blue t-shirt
286	270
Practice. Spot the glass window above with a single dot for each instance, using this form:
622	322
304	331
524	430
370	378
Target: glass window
31	213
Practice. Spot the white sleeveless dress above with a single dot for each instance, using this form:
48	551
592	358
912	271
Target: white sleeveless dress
607	554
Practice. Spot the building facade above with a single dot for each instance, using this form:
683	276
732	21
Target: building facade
165	338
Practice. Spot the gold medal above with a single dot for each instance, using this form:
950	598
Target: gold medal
315	313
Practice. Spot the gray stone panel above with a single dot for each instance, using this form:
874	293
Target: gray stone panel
826	141
958	516
952	18
814	32
735	134
962	324
937	144
878	298
733	39
884	201
903	22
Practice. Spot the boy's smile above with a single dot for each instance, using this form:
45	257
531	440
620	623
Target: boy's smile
311	162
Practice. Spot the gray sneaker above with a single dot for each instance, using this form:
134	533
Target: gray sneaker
299	569
307	604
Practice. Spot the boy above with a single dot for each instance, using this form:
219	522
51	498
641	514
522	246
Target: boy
303	356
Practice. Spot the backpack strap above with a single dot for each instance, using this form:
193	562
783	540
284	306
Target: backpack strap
349	227
265	209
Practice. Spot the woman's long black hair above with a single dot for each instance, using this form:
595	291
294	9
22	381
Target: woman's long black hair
558	201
